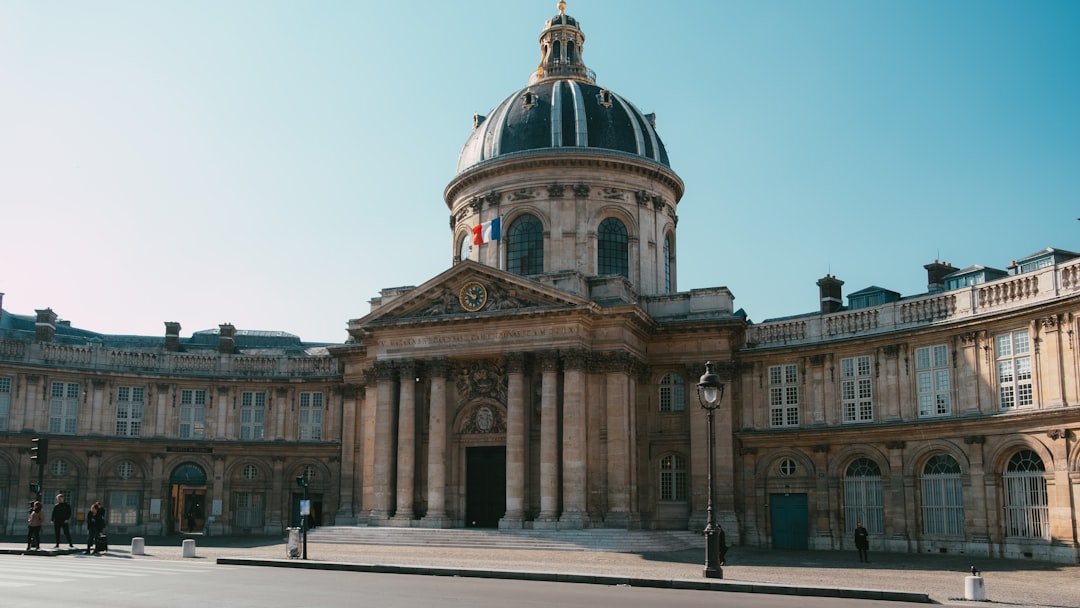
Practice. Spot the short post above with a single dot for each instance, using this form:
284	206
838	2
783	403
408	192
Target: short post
138	545
973	589
189	547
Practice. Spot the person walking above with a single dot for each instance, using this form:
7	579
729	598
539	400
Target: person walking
61	514
33	524
862	542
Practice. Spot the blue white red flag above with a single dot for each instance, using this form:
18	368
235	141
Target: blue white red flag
490	230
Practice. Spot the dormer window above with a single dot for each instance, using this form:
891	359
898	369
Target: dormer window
605	98
528	100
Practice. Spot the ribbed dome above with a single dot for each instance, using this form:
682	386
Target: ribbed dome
562	114
562	110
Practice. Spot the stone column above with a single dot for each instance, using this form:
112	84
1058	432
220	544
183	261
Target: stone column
160	412
437	437
549	441
159	489
620	460
896	515
977	507
222	430
350	421
515	442
575	492
1061	509
368	407
385	416
406	442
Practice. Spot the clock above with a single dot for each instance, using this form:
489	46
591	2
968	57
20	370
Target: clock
473	296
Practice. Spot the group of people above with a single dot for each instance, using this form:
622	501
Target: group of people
61	516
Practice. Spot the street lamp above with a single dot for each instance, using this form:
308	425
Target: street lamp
710	393
302	482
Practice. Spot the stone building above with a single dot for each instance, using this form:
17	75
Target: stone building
546	380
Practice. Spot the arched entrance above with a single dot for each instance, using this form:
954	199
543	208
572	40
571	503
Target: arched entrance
188	496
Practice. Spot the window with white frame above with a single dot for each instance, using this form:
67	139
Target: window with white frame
673	478
863	498
311	416
856	389
123	509
125	470
932	379
248	509
5	402
942	497
129	411
783	395
63	408
672	393
1013	352
1027	512
192	414
252	414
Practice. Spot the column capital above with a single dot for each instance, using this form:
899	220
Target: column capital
514	363
438	367
549	361
575	360
384	370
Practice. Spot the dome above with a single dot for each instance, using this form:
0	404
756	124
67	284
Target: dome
562	114
562	110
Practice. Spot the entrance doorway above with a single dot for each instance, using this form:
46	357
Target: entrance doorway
485	486
790	521
187	498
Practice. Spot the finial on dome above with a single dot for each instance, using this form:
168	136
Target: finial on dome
562	6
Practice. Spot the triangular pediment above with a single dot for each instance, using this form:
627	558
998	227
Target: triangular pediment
487	292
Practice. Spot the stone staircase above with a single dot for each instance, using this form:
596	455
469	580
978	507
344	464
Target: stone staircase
594	539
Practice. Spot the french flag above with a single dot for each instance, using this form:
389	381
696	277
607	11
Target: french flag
488	231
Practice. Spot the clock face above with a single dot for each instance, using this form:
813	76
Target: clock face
473	296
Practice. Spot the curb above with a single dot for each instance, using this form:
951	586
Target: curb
592	579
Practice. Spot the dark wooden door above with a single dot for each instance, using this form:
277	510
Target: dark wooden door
485	486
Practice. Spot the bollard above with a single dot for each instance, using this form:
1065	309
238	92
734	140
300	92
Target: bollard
973	589
189	547
138	545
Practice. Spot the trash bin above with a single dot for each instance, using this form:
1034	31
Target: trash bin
292	543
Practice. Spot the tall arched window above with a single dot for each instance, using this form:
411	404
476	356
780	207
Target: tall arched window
673	477
667	264
942	497
672	393
465	247
525	246
863	498
613	255
1026	504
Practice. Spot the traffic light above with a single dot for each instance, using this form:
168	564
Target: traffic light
301	481
39	453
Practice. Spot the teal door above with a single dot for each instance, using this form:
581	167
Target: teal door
790	521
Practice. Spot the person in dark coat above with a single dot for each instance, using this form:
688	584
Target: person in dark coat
61	514
862	542
95	526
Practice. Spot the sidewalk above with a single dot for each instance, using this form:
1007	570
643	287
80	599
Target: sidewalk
898	577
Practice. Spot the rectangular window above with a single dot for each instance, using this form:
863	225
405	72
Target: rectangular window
932	379
856	389
783	395
311	415
63	408
5	402
252	415
192	414
1013	352
248	510
124	508
129	411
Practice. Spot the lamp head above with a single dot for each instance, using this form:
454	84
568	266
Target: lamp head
710	389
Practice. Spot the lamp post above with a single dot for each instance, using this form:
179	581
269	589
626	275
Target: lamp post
303	483
710	393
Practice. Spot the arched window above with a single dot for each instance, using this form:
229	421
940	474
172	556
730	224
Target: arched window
672	393
863	498
525	246
667	264
612	253
465	247
673	478
942	497
1026	504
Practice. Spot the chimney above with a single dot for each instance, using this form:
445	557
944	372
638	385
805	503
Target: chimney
45	326
935	275
226	341
829	287
172	336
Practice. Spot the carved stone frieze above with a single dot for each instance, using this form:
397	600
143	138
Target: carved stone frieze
642	197
582	190
555	190
613	194
481	380
492	198
483	419
524	195
444	302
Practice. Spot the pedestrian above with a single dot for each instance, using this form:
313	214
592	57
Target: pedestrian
61	514
862	542
95	526
722	541
33	525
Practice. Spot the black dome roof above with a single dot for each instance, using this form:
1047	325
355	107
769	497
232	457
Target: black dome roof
562	110
563	113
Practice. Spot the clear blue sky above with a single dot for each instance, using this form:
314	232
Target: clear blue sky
275	164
